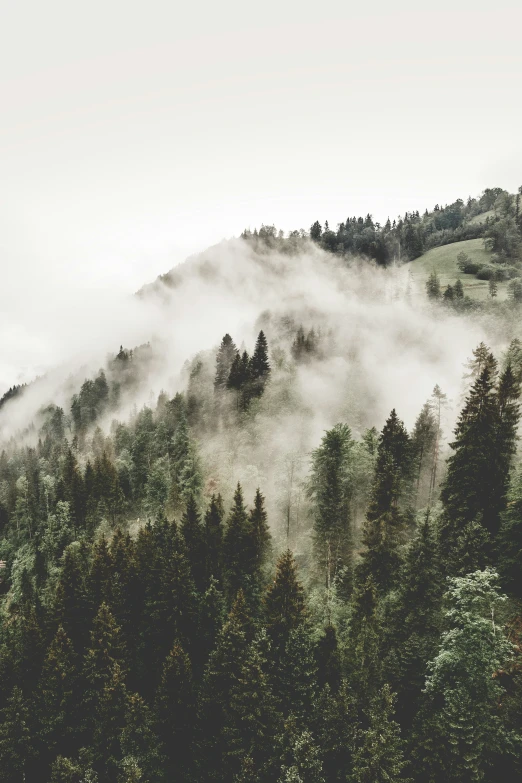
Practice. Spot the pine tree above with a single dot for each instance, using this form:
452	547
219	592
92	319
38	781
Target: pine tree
222	673
214	539
259	364
510	539
379	752
71	603
17	746
460	733
102	675
139	741
364	660
423	442
330	489
433	286
478	470
237	548
174	709
329	660
458	289
225	357
260	536
192	532
57	696
284	604
413	623
383	530
254	720
302	758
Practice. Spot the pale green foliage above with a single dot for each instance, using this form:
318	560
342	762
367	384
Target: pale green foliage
465	733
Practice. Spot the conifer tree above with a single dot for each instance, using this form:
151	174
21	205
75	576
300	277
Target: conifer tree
460	733
254	720
284	604
225	357
383	530
71	603
139	741
510	539
259	364
174	709
57	697
17	746
302	759
237	547
413	623
214	539
329	660
222	673
363	655
330	489
422	443
260	536
379	751
192	532
478	470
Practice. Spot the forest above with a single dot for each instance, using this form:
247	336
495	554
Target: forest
264	572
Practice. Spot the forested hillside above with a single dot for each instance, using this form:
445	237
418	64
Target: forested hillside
283	550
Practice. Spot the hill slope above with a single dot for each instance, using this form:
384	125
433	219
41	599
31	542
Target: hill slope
443	260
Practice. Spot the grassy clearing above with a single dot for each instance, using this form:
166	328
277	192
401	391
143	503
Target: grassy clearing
443	260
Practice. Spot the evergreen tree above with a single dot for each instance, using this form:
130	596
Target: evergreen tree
379	752
260	536
383	530
225	357
478	470
71	602
214	539
302	759
284	605
175	714
254	721
422	443
460	733
237	547
458	289
330	489
192	532
222	673
259	365
17	745
433	286
510	539
363	654
57	697
412	625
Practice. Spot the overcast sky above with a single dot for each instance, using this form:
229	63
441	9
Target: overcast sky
134	133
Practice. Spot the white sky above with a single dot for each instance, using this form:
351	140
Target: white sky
134	133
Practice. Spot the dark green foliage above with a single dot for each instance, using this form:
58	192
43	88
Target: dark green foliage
284	605
384	527
214	540
17	746
174	709
225	357
237	547
330	489
478	471
510	539
379	751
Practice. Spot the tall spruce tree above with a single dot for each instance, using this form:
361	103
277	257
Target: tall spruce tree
284	604
460	734
226	354
214	540
478	471
383	531
330	489
379	752
237	548
174	709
